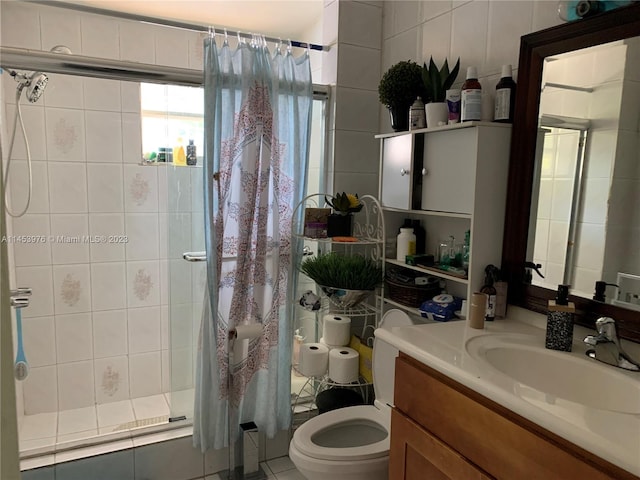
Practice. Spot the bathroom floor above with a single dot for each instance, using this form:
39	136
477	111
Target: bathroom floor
277	469
48	429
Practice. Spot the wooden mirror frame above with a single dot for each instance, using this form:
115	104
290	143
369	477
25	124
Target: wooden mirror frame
618	24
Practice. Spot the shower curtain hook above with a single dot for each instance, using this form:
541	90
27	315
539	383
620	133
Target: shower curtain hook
239	38
289	46
226	35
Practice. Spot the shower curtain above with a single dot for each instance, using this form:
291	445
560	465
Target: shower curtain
257	127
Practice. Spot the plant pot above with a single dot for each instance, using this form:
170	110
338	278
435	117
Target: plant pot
437	114
399	118
339	225
343	298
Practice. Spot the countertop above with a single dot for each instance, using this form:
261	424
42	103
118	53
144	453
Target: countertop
611	435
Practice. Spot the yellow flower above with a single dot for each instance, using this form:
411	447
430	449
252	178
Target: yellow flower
354	202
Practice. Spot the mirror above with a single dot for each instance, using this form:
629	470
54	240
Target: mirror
549	62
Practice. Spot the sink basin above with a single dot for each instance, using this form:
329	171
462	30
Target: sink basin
564	375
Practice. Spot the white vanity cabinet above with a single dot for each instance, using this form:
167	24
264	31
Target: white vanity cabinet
457	181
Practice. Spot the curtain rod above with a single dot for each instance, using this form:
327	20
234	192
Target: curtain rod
169	23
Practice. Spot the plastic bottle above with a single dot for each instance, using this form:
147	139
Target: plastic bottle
192	159
491	292
471	97
421	236
505	97
417	115
406	244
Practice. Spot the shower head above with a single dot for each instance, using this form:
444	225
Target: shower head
36	82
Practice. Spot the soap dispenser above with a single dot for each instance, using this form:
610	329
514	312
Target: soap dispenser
560	321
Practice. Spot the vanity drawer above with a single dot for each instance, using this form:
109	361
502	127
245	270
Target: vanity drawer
500	442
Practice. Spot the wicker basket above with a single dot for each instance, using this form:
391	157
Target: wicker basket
410	295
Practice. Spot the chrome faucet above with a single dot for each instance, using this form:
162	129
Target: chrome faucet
607	347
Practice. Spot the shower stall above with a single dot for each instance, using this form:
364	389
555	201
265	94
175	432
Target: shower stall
111	330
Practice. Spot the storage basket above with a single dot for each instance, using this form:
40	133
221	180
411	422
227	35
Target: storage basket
410	295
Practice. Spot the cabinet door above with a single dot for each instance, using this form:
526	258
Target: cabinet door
415	454
449	164
397	171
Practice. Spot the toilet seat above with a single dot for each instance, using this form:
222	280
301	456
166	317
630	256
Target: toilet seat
363	414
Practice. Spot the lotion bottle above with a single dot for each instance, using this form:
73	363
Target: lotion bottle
505	97
471	96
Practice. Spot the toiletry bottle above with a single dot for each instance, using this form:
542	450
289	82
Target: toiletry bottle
471	96
505	97
406	244
560	321
417	115
421	236
490	291
465	251
192	159
179	157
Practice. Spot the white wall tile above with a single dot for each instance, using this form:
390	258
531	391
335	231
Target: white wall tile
76	387
104	136
107	224
110	333
508	21
63	91
469	35
356	109
541	240
407	15
130	96
181	368
36	247
150	406
435	9
145	374
100	37
144	329
166	371
112	379
179	189
358	67
102	94
40	425
58	27
164	327
132	137
68	187
41	391
140	188
74	337
545	15
65	135
172	460
601	151
77	419
33	117
567	156
137	42
180	330
39	348
108	286
69	232
114	413
404	46
40	279
590	251
595	200
143	284
104	187
436	40
356	151
179	236
20	26
562	194
558	236
545	199
19	186
196	50
172	47
72	287
360	24
143	236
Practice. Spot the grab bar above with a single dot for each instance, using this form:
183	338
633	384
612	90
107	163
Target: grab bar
195	256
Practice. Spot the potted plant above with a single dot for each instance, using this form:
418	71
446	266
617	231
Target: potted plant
340	222
346	279
436	83
397	90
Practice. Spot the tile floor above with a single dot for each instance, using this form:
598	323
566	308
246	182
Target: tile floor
49	429
277	469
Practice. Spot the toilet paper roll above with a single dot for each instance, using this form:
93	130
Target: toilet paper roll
344	364
336	330
314	358
330	347
245	332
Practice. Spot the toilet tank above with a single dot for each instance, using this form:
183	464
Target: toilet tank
383	361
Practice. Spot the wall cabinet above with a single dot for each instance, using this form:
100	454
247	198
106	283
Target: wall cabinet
452	179
438	423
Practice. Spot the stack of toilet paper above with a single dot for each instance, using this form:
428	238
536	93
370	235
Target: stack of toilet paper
336	330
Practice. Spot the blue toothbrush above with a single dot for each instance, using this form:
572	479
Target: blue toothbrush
21	367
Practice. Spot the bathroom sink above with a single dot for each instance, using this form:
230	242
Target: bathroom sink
562	375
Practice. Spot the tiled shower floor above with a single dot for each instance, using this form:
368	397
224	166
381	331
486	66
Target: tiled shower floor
48	429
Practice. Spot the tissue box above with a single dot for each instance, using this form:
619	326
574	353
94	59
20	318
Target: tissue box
441	312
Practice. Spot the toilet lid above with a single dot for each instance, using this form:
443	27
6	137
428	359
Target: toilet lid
350	433
384	358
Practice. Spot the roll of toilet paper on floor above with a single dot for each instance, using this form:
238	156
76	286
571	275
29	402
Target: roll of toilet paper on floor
343	365
336	329
314	358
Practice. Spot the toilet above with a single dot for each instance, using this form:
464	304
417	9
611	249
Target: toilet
352	443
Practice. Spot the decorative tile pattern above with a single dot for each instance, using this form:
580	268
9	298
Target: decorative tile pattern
142	284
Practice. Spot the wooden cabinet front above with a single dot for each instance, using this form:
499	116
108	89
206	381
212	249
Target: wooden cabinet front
489	436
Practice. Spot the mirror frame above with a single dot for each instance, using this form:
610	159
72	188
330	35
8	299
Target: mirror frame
614	25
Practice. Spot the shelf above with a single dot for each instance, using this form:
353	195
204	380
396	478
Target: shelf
455	126
361	241
431	213
414	311
432	271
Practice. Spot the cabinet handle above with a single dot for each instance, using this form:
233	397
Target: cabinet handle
403	172
425	172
